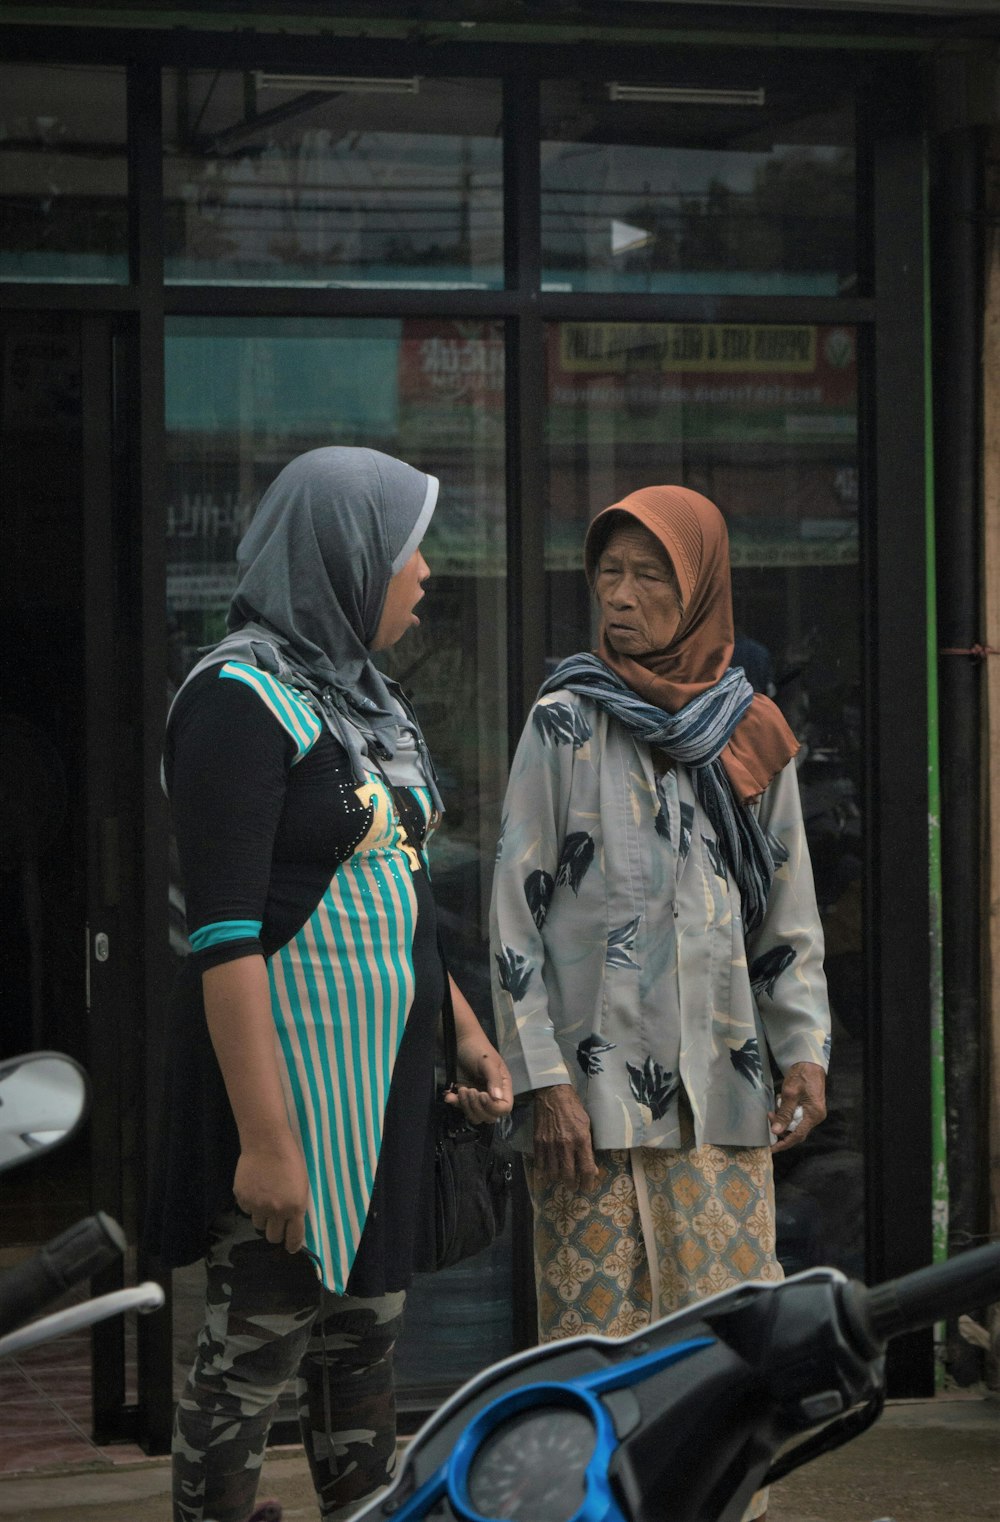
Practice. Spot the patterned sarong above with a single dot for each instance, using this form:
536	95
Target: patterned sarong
708	1210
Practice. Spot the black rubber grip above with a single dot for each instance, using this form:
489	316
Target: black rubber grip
919	1299
74	1255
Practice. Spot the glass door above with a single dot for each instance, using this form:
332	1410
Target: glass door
70	789
726	203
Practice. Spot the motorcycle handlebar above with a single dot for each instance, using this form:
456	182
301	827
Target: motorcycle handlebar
921	1298
74	1255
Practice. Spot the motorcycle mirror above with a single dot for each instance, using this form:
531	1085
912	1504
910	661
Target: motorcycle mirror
44	1096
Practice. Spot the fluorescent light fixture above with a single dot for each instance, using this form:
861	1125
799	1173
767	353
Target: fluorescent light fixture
339	84
685	95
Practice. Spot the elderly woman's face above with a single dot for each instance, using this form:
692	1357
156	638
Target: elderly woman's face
638	593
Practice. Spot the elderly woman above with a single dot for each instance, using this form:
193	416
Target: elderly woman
656	941
296	1147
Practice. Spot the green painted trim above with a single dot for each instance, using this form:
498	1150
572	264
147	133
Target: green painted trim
383	29
939	1134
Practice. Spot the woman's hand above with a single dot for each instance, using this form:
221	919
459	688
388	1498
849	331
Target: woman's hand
803	1085
271	1186
564	1144
489	1092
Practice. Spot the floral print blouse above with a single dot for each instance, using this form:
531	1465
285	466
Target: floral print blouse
619	958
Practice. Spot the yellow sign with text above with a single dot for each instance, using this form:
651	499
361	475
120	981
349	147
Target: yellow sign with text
603	347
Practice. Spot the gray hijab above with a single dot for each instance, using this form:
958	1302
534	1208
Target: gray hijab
314	567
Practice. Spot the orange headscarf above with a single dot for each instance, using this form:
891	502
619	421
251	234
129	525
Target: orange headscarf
693	533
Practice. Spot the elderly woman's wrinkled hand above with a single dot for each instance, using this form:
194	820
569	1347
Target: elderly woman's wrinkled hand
564	1144
490	1092
803	1090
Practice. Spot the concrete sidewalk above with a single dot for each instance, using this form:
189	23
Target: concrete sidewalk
924	1460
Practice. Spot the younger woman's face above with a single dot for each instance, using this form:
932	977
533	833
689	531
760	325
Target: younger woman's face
637	590
405	590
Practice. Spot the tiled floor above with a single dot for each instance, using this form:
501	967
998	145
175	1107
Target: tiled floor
45	1396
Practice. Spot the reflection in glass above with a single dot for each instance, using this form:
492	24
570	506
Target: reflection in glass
761	418
63	172
244	396
295	180
655	195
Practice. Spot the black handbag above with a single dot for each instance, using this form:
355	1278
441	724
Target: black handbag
473	1168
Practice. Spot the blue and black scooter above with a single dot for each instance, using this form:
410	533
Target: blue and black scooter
684	1420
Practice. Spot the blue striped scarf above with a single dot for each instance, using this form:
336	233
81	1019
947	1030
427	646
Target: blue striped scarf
695	737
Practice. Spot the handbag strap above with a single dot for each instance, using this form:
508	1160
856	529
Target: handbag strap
449	1035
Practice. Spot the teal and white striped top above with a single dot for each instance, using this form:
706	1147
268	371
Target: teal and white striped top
284	854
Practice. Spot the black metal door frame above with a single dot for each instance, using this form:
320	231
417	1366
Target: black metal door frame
113	834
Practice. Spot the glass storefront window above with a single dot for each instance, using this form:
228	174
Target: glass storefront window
763	420
294	180
63	174
243	396
644	190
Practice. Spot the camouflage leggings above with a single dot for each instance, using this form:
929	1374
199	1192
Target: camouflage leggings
269	1320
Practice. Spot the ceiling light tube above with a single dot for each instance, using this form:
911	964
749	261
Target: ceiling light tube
339	84
684	95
